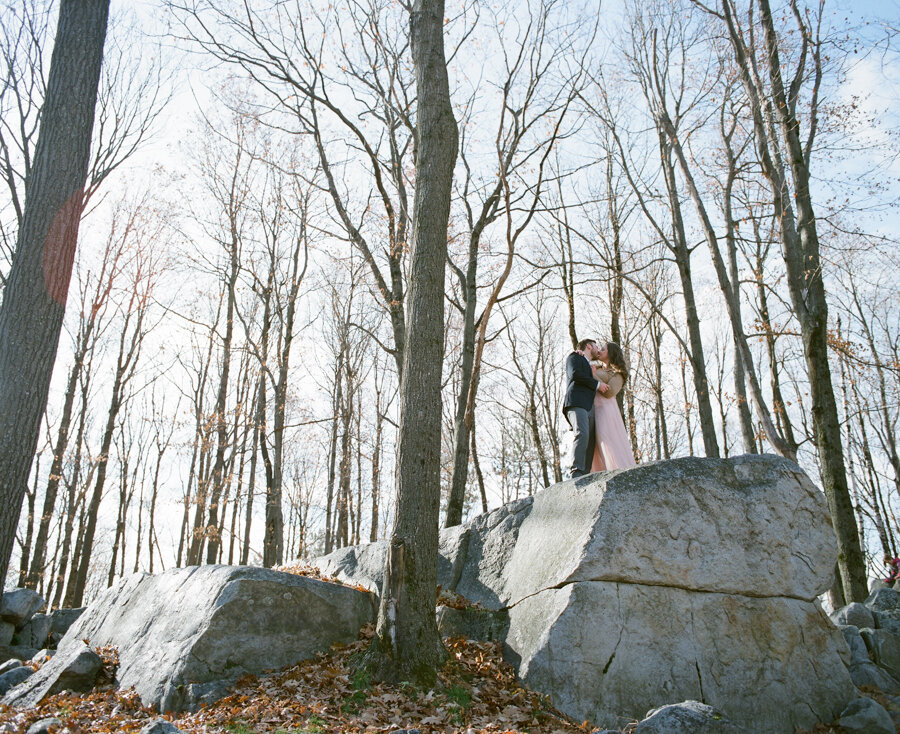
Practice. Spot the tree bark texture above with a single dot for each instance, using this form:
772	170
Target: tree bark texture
35	295
407	645
774	117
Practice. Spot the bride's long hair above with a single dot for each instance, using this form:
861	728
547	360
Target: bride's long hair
615	357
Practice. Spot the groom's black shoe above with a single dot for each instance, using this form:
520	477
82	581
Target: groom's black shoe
577	473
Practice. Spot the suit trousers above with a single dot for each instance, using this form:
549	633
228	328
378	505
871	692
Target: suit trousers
582	452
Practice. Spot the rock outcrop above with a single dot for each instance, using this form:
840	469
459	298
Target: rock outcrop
872	632
686	579
183	634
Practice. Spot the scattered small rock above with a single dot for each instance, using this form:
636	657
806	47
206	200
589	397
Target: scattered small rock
866	716
45	726
689	717
160	726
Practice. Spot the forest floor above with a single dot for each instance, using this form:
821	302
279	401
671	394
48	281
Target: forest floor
477	691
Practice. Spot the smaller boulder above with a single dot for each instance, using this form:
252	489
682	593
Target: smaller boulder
35	631
61	620
870	674
17	606
9	652
689	717
11	678
10	665
859	653
7	630
866	716
74	668
884	648
160	726
887	621
859	615
884	600
45	726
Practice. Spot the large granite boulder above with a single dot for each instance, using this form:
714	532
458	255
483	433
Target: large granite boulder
692	579
181	633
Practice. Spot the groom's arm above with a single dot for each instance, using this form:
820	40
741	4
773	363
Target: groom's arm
578	370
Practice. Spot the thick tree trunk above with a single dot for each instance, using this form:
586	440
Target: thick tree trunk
407	645
35	294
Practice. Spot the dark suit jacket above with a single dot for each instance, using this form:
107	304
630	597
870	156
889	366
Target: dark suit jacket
580	383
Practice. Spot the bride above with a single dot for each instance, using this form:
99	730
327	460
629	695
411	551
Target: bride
612	447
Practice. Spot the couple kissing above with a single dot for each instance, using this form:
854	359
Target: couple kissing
594	376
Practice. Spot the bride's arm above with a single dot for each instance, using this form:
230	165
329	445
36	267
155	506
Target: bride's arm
616	383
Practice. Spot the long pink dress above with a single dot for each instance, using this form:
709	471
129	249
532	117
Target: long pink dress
612	447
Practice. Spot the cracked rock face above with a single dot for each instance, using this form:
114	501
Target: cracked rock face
684	579
191	626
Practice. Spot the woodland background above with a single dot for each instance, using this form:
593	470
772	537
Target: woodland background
226	385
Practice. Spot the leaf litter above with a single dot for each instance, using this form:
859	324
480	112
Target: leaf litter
477	691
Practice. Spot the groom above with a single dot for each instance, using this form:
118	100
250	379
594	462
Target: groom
578	406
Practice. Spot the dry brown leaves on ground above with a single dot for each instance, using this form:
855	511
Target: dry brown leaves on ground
476	690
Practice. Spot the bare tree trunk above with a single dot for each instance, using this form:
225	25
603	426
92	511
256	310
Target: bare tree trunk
376	459
800	249
478	475
730	290
407	645
29	529
35	294
129	351
258	418
72	495
337	401
218	478
683	260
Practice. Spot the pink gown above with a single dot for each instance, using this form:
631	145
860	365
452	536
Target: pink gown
612	447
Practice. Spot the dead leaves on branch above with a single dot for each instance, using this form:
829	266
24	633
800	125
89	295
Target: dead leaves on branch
313	572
